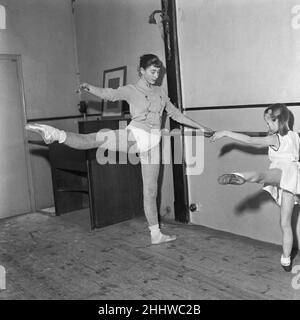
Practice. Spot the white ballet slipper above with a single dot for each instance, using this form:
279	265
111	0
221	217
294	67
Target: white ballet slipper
162	238
48	133
232	178
286	263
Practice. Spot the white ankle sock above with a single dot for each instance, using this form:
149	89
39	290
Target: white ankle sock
62	136
157	237
154	231
55	134
285	261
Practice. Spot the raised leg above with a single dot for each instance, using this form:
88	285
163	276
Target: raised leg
268	177
81	141
113	140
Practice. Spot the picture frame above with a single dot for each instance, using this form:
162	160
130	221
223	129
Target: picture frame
113	78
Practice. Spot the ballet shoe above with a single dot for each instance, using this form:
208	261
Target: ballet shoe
48	133
162	239
231	178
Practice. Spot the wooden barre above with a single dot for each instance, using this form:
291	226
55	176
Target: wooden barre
192	133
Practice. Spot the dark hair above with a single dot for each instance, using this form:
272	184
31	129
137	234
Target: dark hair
280	112
148	60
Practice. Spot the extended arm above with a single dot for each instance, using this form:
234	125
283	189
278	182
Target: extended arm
178	116
105	93
191	123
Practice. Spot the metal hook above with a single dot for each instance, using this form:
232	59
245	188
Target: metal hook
164	17
166	20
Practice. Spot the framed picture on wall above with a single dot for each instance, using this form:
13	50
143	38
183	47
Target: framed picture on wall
113	78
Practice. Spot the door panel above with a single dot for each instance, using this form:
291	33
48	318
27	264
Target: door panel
14	185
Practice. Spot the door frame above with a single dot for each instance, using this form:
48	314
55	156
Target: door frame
18	59
169	20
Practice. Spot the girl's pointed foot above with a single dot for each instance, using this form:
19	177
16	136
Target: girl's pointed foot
48	133
231	178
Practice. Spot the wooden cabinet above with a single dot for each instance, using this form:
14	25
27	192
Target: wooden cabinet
113	192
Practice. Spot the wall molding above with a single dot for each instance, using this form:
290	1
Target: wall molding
63	118
241	106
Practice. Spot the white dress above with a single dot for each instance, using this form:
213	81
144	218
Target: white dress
286	158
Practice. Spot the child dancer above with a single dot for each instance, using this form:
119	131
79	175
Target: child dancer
282	179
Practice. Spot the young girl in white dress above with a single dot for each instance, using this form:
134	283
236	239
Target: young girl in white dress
282	179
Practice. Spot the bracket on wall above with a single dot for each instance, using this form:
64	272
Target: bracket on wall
165	20
73	5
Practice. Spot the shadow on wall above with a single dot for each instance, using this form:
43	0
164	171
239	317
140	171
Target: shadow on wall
243	148
160	78
253	202
39	152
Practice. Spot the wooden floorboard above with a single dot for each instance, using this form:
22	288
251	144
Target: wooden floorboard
48	257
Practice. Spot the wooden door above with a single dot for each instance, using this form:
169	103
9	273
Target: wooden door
15	195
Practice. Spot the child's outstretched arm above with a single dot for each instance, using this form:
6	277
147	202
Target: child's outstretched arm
271	140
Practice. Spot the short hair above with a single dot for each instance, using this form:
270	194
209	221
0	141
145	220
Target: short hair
148	60
280	112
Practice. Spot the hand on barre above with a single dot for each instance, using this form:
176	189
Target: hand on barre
190	132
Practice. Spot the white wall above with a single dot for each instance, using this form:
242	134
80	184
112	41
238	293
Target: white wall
237	53
41	31
241	51
114	33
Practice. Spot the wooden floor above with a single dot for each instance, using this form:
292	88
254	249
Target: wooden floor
49	257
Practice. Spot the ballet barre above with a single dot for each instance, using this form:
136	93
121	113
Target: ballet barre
186	133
